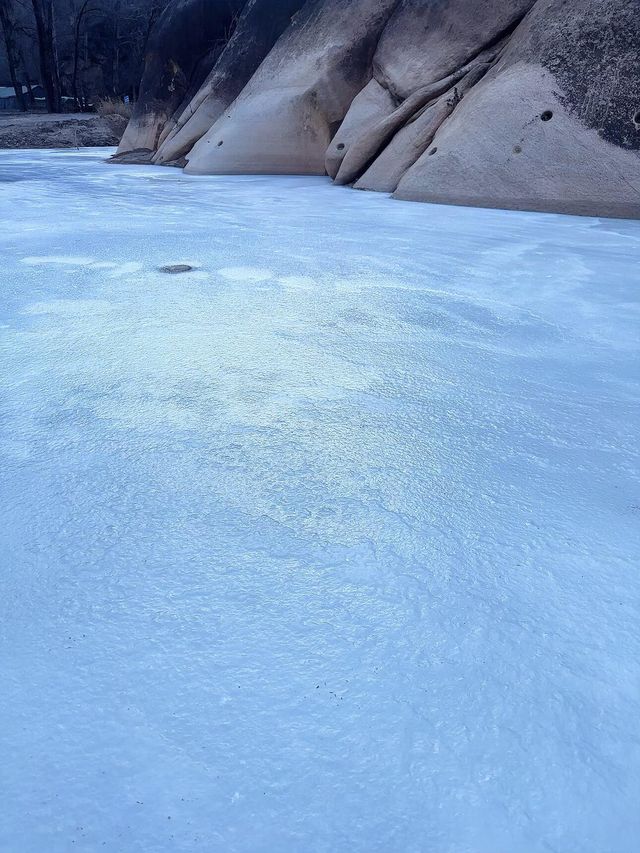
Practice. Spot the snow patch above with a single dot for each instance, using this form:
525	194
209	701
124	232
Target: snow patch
298	282
71	307
57	260
245	274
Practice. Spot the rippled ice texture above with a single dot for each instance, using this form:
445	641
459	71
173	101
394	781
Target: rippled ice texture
329	545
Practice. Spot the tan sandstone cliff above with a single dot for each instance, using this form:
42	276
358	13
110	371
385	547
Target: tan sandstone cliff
531	104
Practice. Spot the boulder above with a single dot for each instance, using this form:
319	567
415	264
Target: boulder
260	25
184	44
416	134
287	115
425	49
553	126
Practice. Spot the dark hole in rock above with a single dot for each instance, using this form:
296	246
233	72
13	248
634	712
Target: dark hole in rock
220	143
176	268
547	115
636	120
517	149
433	151
340	146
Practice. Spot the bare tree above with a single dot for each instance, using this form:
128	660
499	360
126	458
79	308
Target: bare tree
88	49
84	11
11	44
46	31
116	48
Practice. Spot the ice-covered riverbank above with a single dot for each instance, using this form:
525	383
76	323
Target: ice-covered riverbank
331	544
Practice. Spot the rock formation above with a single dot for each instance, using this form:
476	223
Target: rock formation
257	30
183	47
531	104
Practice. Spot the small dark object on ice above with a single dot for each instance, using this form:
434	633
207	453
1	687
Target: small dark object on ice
176	268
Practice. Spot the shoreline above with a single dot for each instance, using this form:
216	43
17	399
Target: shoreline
60	130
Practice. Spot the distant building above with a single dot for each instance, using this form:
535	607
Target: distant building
8	100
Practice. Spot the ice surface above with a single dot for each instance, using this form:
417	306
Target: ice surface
331	544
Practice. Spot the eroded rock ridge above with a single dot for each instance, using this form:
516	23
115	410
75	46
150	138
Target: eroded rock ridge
530	104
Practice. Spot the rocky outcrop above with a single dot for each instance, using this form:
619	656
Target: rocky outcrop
533	104
261	24
183	47
285	118
551	126
426	49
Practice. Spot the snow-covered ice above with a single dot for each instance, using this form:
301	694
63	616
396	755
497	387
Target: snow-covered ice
331	544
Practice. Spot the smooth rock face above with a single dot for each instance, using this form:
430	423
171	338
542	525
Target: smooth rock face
187	39
426	41
422	44
372	104
414	137
262	22
513	103
284	120
551	127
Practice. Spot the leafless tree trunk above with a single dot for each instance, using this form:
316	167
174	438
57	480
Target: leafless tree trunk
83	11
8	29
46	31
31	98
115	70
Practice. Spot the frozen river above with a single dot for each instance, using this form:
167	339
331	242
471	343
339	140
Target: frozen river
331	544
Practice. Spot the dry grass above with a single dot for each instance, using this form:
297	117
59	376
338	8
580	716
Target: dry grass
113	106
